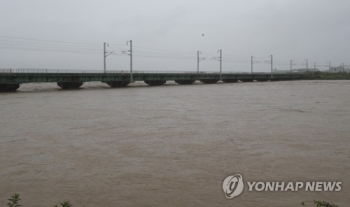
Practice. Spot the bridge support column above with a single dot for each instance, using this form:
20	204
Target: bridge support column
69	85
209	81
182	82
155	82
116	84
8	87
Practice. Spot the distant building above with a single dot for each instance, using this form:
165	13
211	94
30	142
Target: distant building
303	70
297	70
340	69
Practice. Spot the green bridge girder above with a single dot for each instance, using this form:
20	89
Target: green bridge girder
19	78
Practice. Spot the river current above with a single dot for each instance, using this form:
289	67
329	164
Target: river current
173	145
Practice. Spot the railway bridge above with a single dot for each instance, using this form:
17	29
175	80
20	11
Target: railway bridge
11	79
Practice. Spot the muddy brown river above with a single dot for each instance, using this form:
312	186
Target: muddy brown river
173	145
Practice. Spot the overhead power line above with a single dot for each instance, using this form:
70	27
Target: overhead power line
41	45
53	41
49	50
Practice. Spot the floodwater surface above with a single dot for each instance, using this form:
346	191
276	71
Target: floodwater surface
173	145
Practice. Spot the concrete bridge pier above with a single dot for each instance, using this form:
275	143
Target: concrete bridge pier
155	82
8	87
69	85
116	84
183	82
209	81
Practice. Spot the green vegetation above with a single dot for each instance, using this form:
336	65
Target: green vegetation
14	202
64	204
319	203
325	76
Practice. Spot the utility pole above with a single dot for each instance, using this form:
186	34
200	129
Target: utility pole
130	54
104	56
220	59
307	64
329	65
198	62
251	64
291	65
343	67
271	66
198	59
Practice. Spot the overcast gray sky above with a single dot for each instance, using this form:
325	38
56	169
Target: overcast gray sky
167	34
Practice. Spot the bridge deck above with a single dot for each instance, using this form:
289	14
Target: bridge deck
18	78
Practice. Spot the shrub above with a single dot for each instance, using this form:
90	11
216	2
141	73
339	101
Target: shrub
320	203
14	202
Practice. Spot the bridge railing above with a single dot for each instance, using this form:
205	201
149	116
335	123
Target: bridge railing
41	70
5	70
171	71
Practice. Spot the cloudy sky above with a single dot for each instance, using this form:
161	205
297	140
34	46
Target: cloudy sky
166	35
